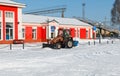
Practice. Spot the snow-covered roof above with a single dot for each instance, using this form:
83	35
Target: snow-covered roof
27	18
11	3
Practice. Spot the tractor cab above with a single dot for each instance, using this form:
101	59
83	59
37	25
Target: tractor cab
64	32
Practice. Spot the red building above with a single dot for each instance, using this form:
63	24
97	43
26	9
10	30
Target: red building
40	28
14	25
10	20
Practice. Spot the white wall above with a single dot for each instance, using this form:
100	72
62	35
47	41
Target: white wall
49	32
56	31
91	35
49	29
20	23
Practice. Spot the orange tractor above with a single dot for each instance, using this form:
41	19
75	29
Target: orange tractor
63	40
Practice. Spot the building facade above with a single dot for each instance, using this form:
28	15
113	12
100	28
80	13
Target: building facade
31	28
41	28
10	20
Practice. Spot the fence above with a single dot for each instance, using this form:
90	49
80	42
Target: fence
39	45
96	42
20	46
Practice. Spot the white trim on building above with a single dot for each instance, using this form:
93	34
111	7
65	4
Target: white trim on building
20	23
11	3
1	23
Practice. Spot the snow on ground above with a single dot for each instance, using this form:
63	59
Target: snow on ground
84	60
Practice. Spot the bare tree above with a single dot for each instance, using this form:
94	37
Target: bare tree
115	12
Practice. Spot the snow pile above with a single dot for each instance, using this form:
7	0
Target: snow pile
84	60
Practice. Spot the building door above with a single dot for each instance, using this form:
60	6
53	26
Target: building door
9	31
52	31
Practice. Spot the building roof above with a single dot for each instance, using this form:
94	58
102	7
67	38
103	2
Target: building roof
11	3
27	18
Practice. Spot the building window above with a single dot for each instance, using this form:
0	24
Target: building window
9	14
52	35
87	34
0	31
9	30
0	13
23	33
34	33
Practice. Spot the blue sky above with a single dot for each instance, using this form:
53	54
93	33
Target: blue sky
94	9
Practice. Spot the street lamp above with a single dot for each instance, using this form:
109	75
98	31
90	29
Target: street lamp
100	29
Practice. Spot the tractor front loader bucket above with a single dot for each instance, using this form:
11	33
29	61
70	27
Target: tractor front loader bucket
47	45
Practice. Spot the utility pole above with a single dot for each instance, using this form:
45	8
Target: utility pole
83	10
100	29
62	14
105	26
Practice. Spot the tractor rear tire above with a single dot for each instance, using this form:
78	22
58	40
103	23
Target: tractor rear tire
69	44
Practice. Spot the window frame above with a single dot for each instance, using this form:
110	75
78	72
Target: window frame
0	13
9	14
34	34
0	30
23	33
9	31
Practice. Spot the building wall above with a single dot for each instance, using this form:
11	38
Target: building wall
40	32
82	32
72	32
45	31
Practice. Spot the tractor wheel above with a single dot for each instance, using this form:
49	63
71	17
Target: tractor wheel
69	44
57	46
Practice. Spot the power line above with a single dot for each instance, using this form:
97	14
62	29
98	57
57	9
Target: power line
56	9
